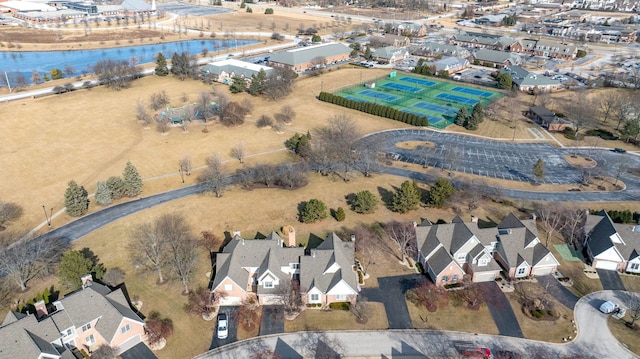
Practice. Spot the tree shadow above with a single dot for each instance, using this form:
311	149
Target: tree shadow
259	235
487	224
441	221
227	239
300	209
351	199
386	196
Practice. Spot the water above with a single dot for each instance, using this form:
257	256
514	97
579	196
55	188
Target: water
76	62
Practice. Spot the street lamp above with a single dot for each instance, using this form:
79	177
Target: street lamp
48	216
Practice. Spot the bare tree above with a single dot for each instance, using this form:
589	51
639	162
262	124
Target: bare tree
9	211
581	110
634	308
25	260
182	246
552	216
201	302
205	109
404	236
247	105
619	166
288	295
368	244
214	175
210	241
141	113
279	83
607	102
286	115
238	152
621	109
113	276
360	309
337	140
544	99
574	220
162	125
148	248
185	165
104	352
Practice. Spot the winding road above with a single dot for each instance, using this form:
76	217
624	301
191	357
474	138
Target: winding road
594	340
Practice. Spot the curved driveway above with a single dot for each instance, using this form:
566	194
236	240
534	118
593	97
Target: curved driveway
594	340
507	160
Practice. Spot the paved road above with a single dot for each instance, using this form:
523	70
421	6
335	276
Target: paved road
558	291
500	310
610	279
391	292
594	340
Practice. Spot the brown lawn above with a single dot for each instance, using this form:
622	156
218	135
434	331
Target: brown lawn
453	318
627	336
552	331
316	319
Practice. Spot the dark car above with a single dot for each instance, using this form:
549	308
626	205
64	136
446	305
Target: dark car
619	150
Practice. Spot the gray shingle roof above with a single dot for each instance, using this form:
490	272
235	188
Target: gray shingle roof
440	260
235	67
517	245
331	253
306	54
600	228
523	77
447	49
498	57
12	317
485	39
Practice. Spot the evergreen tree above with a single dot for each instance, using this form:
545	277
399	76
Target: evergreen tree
103	194
116	187
76	199
440	192
406	198
538	169
340	215
461	116
238	85
257	83
471	123
75	264
478	113
504	81
313	211
364	202
367	53
132	180
161	65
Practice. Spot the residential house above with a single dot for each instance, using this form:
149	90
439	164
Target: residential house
309	57
612	246
482	41
390	54
519	251
545	118
224	71
408	28
555	49
490	20
83	320
259	267
431	48
390	40
527	81
497	58
448	252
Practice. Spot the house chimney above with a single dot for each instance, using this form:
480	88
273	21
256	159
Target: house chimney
236	233
86	279
290	232
415	224
534	217
313	254
41	309
353	238
474	219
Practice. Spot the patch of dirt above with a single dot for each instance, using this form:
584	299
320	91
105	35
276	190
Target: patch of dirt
412	145
580	161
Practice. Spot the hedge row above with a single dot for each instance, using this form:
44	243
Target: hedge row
375	109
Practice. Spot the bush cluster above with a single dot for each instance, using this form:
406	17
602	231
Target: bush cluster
375	109
340	305
625	216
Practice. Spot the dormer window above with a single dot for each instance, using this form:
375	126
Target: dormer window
267	284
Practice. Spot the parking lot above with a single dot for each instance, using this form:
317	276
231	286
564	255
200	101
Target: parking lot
183	9
502	160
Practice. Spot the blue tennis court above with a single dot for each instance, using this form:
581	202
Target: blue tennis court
352	98
414	80
456	98
471	91
401	87
435	108
380	95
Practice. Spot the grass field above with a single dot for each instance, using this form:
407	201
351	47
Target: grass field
438	100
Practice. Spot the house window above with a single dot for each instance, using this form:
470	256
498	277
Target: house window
125	329
635	266
314	298
455	277
228	287
86	327
90	340
461	256
521	271
66	333
268	284
445	278
341	297
483	262
295	265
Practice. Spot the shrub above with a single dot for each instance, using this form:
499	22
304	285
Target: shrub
313	211
419	267
569	133
264	121
340	305
453	285
551	313
537	313
364	202
340	215
268	11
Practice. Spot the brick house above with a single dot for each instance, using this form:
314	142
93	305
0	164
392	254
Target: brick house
307	58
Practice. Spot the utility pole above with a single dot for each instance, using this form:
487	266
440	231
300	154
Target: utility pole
8	83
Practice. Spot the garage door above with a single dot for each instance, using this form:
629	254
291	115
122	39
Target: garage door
607	265
231	301
485	277
543	271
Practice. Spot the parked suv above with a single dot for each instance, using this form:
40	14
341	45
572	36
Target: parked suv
609	307
223	326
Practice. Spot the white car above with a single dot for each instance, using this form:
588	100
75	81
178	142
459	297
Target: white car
223	326
609	307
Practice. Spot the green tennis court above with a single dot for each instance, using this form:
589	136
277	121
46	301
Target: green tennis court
438	100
